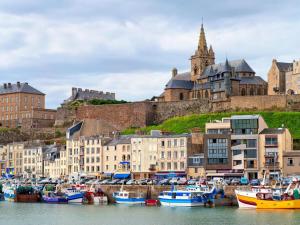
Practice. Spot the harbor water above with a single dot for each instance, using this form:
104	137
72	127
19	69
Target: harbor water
47	214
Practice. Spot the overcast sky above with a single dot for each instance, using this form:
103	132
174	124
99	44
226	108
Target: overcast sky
130	46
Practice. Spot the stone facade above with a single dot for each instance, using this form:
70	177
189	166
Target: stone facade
80	94
19	103
207	80
284	78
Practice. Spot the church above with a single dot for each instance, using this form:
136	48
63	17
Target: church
207	80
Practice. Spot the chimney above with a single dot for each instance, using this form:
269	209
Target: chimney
9	85
174	72
26	83
18	84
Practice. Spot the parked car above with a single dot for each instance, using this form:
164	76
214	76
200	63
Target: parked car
182	181
131	182
105	181
227	181
254	182
164	182
174	180
235	181
122	181
113	182
244	181
192	182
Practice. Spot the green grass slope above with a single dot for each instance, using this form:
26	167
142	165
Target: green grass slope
184	124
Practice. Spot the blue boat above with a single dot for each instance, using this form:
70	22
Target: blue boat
190	197
126	197
55	199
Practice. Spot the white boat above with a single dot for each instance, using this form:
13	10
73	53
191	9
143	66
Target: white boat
127	197
74	195
9	192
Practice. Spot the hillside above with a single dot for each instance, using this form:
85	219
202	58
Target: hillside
184	124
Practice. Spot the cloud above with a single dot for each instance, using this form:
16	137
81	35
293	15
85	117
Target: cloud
130	50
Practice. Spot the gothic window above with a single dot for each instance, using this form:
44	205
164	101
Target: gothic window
243	92
181	96
259	91
251	91
206	94
195	69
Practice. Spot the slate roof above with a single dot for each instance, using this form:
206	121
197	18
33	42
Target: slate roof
19	88
252	80
182	84
239	66
273	131
244	117
124	139
282	66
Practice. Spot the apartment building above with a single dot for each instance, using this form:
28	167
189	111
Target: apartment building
144	155
117	157
14	160
173	152
55	162
245	131
32	161
3	157
274	143
217	148
291	163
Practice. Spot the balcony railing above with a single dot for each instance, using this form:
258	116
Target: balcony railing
271	164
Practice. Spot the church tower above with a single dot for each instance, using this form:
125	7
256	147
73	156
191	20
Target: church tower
202	57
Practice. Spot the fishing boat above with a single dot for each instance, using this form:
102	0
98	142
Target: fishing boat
74	195
28	194
127	197
95	195
275	199
9	192
53	198
190	197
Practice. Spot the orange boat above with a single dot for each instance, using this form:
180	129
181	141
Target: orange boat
290	199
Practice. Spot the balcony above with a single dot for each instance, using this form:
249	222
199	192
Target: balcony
271	164
238	147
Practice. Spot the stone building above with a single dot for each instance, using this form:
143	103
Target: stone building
207	80
23	106
33	161
55	161
291	163
284	78
80	94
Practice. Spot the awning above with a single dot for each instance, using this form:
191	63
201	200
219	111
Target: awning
122	175
124	162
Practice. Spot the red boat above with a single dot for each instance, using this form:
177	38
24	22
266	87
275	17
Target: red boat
151	202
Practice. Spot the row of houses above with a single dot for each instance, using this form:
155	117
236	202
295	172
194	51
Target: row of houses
237	146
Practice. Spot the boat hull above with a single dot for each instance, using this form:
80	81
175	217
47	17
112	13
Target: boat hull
55	200
27	198
75	198
180	202
130	200
250	202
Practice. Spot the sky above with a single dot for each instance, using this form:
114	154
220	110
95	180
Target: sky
130	46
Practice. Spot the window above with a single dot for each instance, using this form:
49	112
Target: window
98	159
271	141
175	155
181	96
250	153
182	166
181	153
175	142
87	151
162	165
290	162
169	144
98	150
92	150
251	143
168	166
181	142
162	155
236	152
162	143
169	155
237	162
175	165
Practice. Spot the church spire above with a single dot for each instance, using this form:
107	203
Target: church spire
202	46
